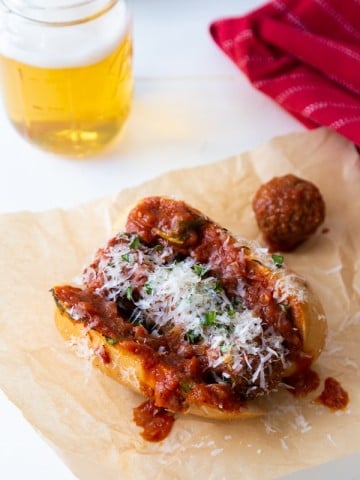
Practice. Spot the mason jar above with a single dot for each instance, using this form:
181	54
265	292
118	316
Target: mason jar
66	71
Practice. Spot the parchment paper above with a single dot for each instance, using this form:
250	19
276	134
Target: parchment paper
87	417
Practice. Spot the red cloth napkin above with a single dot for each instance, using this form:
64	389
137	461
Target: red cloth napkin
305	54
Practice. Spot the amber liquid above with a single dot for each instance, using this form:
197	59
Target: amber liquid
70	111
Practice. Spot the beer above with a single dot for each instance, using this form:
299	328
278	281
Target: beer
72	99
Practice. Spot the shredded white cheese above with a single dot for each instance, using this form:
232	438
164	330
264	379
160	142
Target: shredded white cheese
289	286
177	296
302	424
120	264
180	294
331	440
80	345
283	443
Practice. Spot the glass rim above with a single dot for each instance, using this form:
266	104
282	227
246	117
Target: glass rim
74	13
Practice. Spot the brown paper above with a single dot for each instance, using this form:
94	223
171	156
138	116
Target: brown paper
87	417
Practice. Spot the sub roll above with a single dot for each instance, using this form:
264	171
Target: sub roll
192	317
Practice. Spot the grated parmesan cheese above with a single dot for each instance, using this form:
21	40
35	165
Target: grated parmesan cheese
120	264
179	297
80	345
183	295
289	286
330	439
284	445
216	452
302	424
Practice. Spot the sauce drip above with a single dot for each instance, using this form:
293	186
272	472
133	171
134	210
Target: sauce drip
156	422
303	382
333	396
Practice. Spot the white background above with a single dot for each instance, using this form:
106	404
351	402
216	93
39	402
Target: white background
191	106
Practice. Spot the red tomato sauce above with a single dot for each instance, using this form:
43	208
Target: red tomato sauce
333	396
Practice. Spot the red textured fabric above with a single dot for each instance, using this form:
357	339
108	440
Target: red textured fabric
305	54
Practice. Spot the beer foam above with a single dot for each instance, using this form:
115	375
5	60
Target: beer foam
56	45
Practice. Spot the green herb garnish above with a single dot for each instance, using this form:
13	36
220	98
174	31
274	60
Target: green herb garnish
127	257
136	321
158	247
224	348
237	304
217	287
135	242
200	269
234	302
191	337
128	293
148	288
210	318
111	341
186	385
230	329
278	259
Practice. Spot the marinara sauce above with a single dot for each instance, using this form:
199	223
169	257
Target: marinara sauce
333	396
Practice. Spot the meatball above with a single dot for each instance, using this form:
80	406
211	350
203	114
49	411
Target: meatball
288	210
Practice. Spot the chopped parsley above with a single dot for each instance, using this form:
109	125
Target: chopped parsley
186	296
191	337
224	348
148	288
128	293
278	259
186	385
209	318
230	329
111	341
217	287
200	269
237	304
135	242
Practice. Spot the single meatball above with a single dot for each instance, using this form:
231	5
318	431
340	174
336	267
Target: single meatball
288	210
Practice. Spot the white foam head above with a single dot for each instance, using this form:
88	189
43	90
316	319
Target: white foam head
53	33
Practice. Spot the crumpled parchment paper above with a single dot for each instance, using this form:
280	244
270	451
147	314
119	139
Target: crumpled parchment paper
87	417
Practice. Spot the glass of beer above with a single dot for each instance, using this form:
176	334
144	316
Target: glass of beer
66	71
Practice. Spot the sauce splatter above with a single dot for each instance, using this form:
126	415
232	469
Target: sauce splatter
303	382
156	422
333	396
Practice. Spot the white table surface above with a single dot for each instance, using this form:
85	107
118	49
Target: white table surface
191	106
